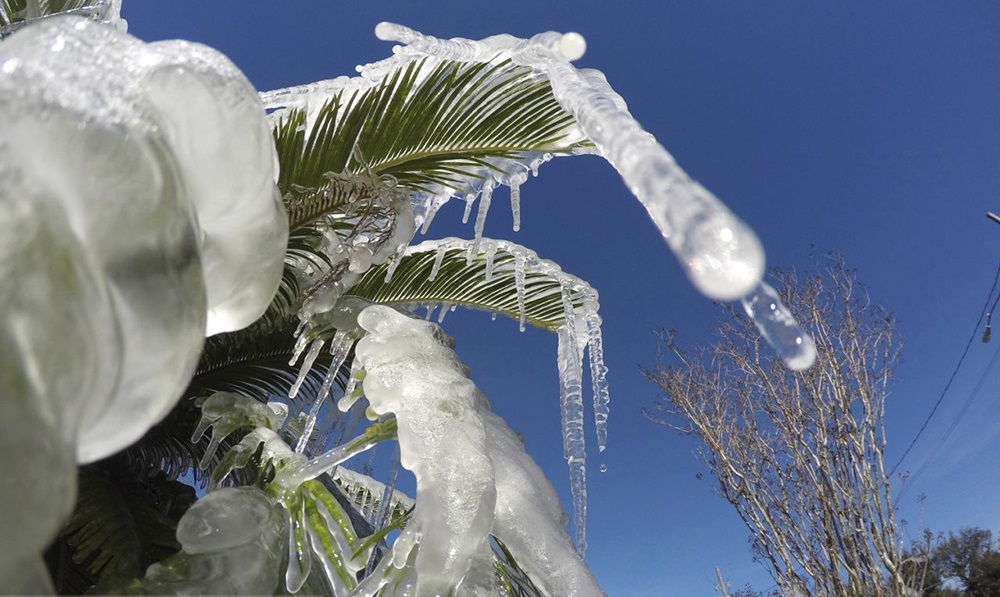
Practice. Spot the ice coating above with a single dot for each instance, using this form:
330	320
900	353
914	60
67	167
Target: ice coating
152	211
230	174
231	545
721	255
225	412
473	477
447	455
582	329
48	358
795	347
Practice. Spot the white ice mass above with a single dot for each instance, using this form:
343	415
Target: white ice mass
116	203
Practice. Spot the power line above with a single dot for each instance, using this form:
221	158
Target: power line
961	359
965	407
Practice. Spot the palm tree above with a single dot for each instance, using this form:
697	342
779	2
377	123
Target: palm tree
363	163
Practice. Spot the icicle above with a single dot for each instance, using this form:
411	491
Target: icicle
574	449
491	254
469	200
438	260
515	198
779	328
432	206
302	340
598	372
445	309
519	262
430	311
484	208
493	316
396	258
339	347
307	364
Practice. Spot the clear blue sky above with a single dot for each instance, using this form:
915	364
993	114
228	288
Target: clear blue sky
871	129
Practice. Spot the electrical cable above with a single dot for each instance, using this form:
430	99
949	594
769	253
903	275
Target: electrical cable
951	379
961	413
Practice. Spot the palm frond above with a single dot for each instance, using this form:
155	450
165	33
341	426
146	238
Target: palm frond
14	13
428	124
459	281
510	577
121	526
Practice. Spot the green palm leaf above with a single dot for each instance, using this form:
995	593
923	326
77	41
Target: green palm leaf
430	125
121	526
461	282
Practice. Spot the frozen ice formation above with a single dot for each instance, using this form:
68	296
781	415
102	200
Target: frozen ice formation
104	11
232	544
777	325
177	139
721	255
139	213
560	302
473	476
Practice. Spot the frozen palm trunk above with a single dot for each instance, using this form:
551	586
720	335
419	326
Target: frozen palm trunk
473	477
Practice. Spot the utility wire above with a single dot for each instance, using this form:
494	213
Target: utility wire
961	359
911	480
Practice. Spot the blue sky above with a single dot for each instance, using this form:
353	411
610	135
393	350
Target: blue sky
870	129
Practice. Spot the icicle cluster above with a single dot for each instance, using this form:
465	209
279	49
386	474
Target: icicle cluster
580	332
473	476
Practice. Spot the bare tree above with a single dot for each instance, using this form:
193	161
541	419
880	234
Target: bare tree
799	455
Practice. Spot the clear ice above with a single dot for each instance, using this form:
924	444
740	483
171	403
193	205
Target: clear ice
777	325
473	476
721	255
160	118
183	237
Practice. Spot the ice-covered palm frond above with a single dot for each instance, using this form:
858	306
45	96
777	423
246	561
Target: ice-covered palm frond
116	531
254	362
490	275
437	127
14	13
512	580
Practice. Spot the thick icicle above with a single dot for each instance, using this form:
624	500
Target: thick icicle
438	260
445	309
491	254
571	407
484	208
307	364
519	263
721	255
515	198
339	347
777	325
469	200
598	372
